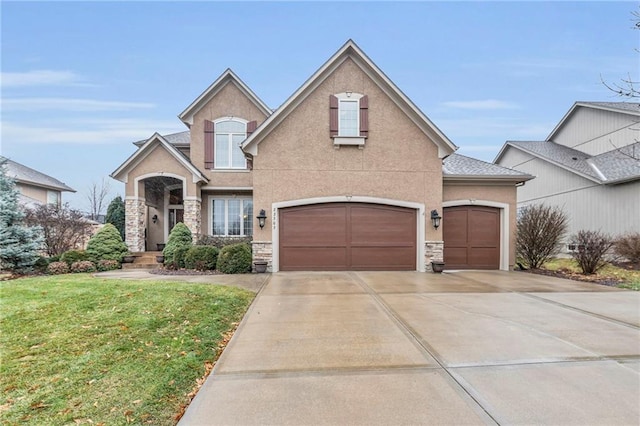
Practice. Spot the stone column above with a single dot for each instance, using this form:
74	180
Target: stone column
262	252
134	223
434	252
193	216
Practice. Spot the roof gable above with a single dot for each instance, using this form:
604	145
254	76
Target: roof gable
122	172
227	77
630	108
23	174
352	51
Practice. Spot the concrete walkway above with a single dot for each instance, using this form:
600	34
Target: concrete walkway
389	348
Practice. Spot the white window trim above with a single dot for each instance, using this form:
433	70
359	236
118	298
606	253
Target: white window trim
210	199
56	194
356	140
215	145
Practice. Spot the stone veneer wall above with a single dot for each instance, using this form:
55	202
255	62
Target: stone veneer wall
134	224
262	251
193	217
434	251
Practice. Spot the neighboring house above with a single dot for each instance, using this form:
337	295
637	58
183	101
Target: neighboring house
35	187
589	166
344	175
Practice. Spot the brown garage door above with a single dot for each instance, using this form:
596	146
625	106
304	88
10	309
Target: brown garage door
471	237
347	236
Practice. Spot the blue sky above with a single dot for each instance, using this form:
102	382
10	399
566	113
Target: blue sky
79	88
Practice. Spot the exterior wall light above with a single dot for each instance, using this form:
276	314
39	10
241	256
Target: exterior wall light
154	219
262	217
435	219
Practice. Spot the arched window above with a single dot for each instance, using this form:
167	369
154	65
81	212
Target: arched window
229	134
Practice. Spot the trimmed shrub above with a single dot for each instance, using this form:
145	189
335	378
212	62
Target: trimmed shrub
56	268
628	246
219	242
106	244
178	256
540	230
41	264
73	256
107	265
180	236
202	258
235	259
590	249
83	266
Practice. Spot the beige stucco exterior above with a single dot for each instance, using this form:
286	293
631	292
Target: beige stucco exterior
295	161
37	193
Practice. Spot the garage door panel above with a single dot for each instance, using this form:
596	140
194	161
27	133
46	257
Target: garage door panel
325	226
383	258
377	225
471	237
314	258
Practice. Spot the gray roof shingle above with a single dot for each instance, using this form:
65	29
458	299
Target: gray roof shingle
26	174
621	106
180	138
460	165
615	165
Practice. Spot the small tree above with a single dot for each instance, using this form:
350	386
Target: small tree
96	195
63	228
106	244
540	230
590	250
180	236
116	215
19	244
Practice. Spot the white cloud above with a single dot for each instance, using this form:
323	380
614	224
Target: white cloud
70	104
486	104
87	132
40	78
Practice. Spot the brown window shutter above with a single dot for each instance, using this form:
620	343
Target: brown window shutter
333	116
364	116
251	127
209	132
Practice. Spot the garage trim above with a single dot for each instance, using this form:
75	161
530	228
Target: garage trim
504	224
420	225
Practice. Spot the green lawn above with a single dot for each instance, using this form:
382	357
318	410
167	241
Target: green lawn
626	278
75	349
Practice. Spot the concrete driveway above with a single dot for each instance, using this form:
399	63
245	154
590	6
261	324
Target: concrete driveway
398	348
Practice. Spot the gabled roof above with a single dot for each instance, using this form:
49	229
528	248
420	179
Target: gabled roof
352	51
631	108
460	167
227	77
156	139
27	175
176	139
616	166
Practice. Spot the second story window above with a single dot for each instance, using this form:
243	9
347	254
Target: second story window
348	118
229	134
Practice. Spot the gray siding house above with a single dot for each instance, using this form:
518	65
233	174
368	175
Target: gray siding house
589	166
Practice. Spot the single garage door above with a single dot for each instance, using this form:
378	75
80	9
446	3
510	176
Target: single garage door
471	237
347	236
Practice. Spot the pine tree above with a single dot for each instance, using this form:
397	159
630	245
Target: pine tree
19	244
116	216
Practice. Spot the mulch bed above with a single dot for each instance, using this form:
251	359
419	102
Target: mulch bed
596	279
164	271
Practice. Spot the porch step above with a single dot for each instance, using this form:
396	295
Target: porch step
143	260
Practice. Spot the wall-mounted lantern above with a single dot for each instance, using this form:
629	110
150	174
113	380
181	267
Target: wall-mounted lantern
262	217
435	219
154	219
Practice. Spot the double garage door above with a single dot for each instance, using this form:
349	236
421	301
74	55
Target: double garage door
347	236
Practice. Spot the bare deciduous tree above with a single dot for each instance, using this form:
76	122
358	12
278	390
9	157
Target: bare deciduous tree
96	196
627	87
64	228
590	250
540	230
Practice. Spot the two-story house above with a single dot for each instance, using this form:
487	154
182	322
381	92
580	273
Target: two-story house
35	187
346	174
589	166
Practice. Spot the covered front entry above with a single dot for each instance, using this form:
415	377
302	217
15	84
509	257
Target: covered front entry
471	237
347	236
